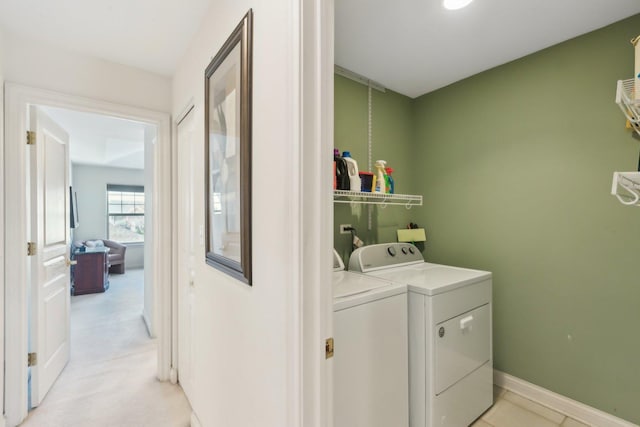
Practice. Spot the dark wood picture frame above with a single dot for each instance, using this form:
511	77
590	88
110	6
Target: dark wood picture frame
228	93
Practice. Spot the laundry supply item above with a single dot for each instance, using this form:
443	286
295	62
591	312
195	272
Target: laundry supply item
335	179
366	181
380	184
341	174
352	171
390	183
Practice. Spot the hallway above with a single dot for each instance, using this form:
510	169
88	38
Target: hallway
111	376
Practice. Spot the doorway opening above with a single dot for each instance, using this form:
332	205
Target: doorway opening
110	176
18	100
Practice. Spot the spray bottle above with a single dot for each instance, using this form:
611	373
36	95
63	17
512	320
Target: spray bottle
380	176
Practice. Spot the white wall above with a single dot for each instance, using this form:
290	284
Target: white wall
90	184
150	135
244	356
47	67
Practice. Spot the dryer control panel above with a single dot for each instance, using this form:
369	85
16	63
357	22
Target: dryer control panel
384	255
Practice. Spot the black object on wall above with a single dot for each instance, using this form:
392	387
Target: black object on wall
74	221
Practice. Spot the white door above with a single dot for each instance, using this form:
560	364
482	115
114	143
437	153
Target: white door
185	221
49	281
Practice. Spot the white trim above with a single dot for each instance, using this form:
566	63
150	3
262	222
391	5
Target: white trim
2	245
15	277
185	112
175	351
17	97
571	408
147	323
163	242
195	422
313	110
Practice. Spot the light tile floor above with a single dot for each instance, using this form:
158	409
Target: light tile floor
513	410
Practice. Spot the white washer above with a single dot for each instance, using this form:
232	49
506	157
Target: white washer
370	363
450	339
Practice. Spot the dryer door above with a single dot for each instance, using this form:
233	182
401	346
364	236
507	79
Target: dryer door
462	345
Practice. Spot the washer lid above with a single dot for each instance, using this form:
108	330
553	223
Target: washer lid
346	284
432	279
338	265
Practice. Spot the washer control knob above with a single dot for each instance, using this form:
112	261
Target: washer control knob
404	250
411	250
391	250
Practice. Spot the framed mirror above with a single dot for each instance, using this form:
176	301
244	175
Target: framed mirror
228	80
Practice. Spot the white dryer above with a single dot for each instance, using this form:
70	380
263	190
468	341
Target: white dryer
370	363
450	338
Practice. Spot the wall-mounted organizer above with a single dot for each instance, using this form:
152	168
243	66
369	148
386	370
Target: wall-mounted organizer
626	187
626	100
383	199
373	198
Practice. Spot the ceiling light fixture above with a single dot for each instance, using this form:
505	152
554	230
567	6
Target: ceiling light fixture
455	4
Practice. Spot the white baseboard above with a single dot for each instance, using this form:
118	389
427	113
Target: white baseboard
147	324
571	408
195	422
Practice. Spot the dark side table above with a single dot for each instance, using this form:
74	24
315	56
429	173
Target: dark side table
91	274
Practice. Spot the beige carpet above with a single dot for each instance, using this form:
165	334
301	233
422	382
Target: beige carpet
111	377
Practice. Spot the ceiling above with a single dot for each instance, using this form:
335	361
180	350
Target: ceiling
416	46
102	140
148	34
409	46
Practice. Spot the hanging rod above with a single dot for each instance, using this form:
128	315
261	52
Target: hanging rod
358	78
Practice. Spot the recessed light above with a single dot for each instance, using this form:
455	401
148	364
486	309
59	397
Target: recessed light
455	4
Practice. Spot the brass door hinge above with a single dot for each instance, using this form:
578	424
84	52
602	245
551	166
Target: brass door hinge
328	348
31	248
31	137
32	359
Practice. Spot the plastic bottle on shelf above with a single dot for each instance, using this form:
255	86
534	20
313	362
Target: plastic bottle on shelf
341	175
352	171
391	184
335	171
380	176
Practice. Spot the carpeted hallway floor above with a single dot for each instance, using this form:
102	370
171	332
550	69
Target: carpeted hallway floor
110	380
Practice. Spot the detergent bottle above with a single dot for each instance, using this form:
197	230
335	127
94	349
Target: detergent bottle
352	171
380	176
340	167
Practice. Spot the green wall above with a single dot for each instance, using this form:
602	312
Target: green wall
392	139
515	166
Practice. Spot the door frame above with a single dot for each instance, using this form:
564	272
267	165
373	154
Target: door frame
175	330
313	319
17	98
